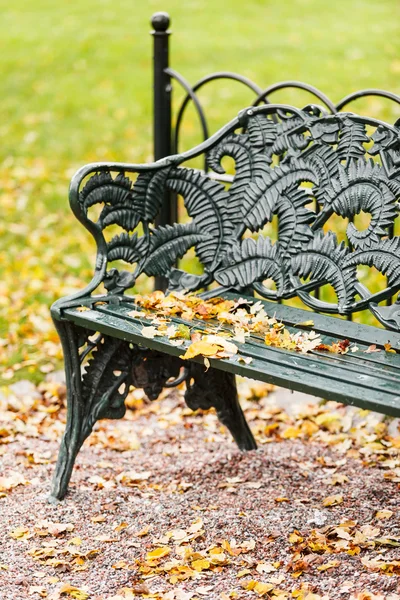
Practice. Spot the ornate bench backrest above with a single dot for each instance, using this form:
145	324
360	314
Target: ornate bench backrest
301	166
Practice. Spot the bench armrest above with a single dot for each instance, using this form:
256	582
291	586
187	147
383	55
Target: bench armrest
75	190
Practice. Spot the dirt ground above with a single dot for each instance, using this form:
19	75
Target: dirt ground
162	504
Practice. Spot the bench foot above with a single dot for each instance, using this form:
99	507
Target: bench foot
111	366
97	393
214	388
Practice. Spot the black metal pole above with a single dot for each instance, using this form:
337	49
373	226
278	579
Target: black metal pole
162	126
162	114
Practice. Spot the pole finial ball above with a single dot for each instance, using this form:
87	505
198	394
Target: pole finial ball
160	21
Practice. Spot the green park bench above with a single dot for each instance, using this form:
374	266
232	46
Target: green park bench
297	167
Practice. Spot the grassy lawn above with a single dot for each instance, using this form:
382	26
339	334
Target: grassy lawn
76	87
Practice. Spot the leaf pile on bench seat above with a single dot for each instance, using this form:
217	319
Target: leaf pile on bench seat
226	320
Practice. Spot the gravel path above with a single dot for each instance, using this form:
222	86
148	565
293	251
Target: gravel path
162	504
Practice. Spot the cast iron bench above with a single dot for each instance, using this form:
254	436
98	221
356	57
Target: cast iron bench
301	167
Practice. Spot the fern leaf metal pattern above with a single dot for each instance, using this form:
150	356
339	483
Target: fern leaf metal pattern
298	168
248	166
262	132
115	195
385	257
125	247
263	195
251	261
294	219
149	193
352	138
206	202
322	261
168	244
362	186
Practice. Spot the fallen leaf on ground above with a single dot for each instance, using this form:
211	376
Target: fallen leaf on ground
333	500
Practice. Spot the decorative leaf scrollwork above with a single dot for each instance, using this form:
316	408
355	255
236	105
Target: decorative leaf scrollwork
322	260
263	195
290	136
251	261
385	257
129	248
387	145
169	243
324	162
116	195
249	165
294	219
296	167
106	381
206	202
262	133
148	194
361	186
352	138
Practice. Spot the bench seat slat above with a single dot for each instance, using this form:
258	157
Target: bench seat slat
334	326
320	360
331	329
272	365
383	363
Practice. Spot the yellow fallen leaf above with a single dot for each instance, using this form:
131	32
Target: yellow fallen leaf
259	587
243	572
333	500
132	478
158	553
295	537
140	589
75	541
143	532
13	479
291	432
19	533
221	341
325	419
329	565
121	526
265	568
245	359
250	585
338	479
182	331
200	565
200	348
121	564
196	526
73	592
263	588
98	519
38	589
384	514
309	323
389	348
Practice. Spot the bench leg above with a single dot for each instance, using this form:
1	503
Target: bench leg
96	394
215	388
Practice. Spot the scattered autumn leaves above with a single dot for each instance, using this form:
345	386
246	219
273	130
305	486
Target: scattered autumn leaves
192	554
40	261
225	322
181	556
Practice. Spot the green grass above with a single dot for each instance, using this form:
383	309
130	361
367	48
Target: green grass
76	87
